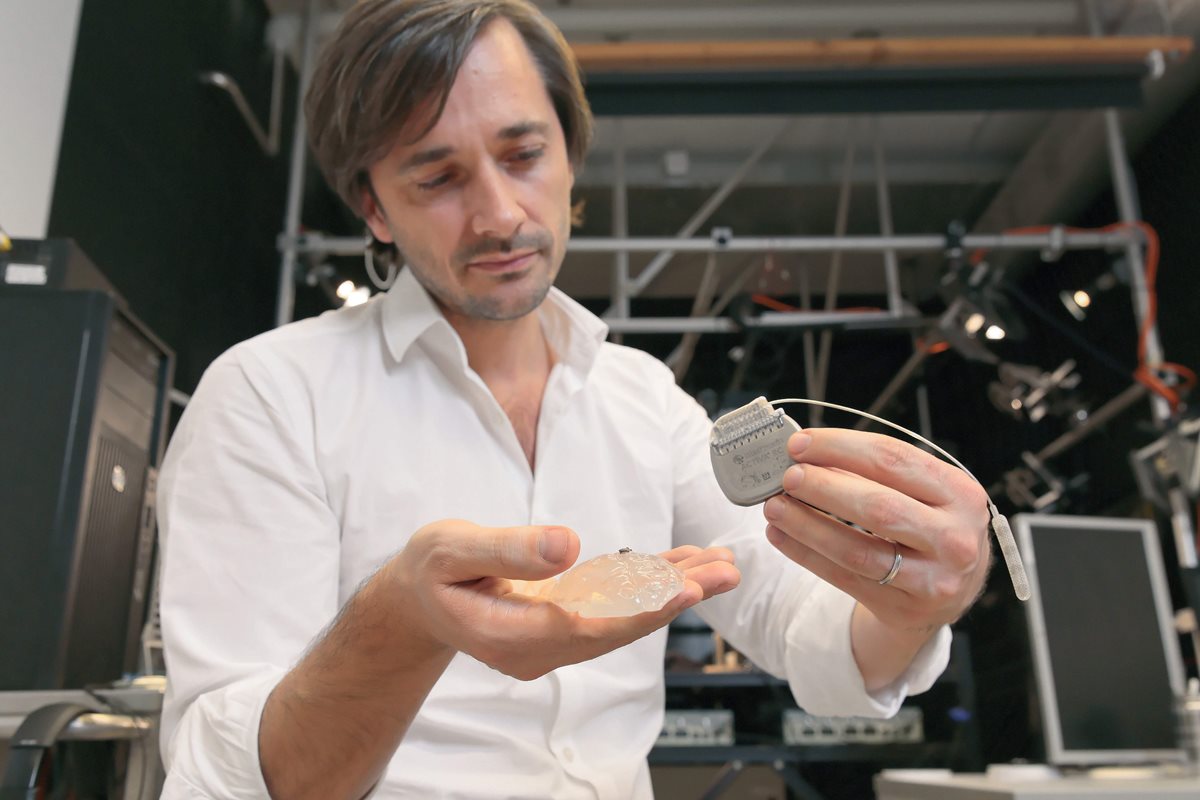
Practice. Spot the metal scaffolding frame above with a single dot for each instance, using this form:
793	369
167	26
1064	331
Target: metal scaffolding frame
728	243
286	298
293	244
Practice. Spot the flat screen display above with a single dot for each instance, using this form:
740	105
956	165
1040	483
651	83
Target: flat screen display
1105	651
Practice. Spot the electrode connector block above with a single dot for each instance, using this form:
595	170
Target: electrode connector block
749	451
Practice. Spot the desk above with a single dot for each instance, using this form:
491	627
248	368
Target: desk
942	785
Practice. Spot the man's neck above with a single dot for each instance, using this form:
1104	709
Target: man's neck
504	353
514	360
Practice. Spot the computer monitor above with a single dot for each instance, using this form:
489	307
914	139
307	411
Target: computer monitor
1106	654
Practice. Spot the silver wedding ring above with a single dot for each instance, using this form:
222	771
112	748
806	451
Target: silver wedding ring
896	562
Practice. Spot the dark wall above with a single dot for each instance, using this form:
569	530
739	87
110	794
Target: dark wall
161	182
1167	172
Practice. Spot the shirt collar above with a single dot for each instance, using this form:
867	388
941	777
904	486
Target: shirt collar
410	315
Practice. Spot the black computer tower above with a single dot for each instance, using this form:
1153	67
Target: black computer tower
83	408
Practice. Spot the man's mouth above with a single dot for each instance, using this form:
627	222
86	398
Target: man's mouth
503	262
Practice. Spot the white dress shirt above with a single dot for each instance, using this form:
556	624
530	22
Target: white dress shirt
308	456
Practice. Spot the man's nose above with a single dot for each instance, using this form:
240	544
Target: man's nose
495	210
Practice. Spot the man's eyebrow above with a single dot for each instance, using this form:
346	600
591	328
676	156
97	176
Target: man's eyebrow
436	154
523	129
425	157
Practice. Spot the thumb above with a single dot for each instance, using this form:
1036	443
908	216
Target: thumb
530	552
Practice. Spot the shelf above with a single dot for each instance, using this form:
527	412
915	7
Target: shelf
900	752
756	680
721	680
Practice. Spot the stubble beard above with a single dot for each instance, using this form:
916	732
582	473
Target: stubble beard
489	306
496	309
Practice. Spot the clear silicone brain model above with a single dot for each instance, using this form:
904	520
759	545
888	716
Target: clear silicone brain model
616	585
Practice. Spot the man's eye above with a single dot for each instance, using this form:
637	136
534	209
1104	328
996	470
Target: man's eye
434	183
525	156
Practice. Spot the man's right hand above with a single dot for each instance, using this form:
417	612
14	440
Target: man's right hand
453	585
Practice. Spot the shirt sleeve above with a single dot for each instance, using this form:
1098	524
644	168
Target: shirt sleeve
249	571
782	617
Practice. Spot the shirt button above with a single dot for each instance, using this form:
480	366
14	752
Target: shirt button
568	755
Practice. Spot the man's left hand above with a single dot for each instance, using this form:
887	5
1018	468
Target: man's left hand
856	500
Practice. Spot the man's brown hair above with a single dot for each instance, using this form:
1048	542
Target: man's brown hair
393	59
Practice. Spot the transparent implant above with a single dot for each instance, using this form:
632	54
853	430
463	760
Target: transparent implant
616	585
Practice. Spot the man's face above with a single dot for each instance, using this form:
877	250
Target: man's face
480	206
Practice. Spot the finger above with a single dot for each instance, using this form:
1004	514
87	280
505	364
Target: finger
865	590
879	509
862	554
533	635
889	462
455	551
714	577
528	636
680	553
705	556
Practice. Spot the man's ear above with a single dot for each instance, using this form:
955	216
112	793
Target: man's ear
373	215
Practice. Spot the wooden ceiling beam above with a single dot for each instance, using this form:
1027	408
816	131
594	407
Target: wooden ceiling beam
802	54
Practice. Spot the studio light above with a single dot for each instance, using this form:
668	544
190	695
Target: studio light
1026	392
977	297
1078	301
351	294
357	296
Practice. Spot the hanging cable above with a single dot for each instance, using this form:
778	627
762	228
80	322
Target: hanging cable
1066	330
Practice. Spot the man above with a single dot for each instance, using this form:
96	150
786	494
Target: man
341	595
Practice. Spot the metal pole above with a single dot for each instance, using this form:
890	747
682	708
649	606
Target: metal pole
840	222
620	226
891	269
906	371
700	307
276	120
810	359
908	243
795	319
924	421
895	384
673	325
832	319
731	291
1125	193
891	266
286	298
735	286
660	262
1125	400
1096	419
1127	206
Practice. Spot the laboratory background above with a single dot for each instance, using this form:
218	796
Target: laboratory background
978	220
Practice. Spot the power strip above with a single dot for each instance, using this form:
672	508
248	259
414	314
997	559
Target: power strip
800	727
